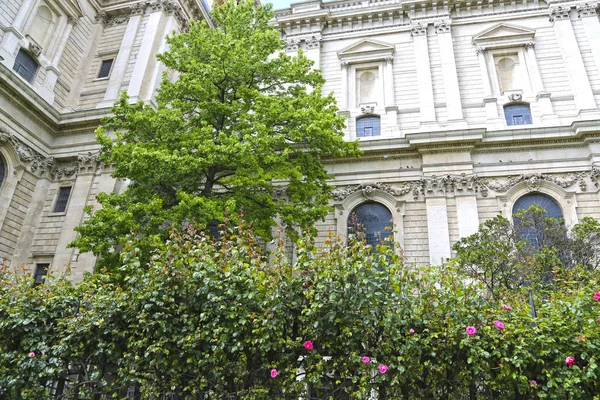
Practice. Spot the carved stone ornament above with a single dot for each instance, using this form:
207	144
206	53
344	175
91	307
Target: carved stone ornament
100	18
313	42
292	45
418	29
344	65
534	181
62	169
560	12
368	189
33	161
35	48
446	185
480	50
529	45
441	27
72	21
587	9
123	19
389	60
515	97
367	109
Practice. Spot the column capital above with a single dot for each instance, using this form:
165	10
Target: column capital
389	60
72	21
313	42
529	45
418	29
559	13
587	9
344	65
480	50
442	26
292	45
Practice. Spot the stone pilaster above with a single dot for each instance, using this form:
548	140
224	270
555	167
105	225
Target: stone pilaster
591	25
426	102
451	89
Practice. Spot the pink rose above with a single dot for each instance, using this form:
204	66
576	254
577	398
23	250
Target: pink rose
533	382
480	324
598	319
308	345
411	331
365	360
31	355
383	368
596	296
274	373
471	330
569	361
506	307
499	324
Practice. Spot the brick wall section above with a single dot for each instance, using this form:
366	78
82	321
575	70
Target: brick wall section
416	248
71	59
487	208
588	204
19	205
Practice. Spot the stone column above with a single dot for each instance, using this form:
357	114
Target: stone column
313	50
113	89
344	86
548	116
46	90
426	103
437	229
591	26
12	35
391	111
490	102
146	57
451	89
580	83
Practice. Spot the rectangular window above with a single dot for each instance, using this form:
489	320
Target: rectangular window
62	199
105	68
518	120
26	66
41	270
368	131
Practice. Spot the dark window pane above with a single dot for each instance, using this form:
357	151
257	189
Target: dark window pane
2	170
105	68
517	114
368	126
62	199
26	66
374	221
552	208
41	270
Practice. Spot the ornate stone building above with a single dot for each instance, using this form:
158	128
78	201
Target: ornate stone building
464	110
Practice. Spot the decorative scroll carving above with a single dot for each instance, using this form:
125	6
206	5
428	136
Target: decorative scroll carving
560	12
445	185
529	45
87	162
389	60
100	18
344	65
368	188
35	48
480	50
587	9
515	97
31	159
441	27
62	169
72	21
418	29
123	19
534	180
367	109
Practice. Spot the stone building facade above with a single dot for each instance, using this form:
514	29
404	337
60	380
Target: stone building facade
464	110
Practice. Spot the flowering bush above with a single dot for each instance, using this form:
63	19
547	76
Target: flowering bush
217	319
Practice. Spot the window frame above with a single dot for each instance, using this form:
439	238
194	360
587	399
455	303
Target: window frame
3	170
364	117
22	50
41	270
102	61
388	239
514	105
56	197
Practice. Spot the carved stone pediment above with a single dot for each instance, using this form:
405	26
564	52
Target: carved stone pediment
503	35
367	50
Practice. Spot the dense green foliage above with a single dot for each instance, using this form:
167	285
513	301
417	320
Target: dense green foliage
217	319
243	128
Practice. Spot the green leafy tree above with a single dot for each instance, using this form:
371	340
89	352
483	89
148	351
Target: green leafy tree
243	128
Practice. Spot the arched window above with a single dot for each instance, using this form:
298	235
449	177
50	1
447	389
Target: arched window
534	233
368	126
374	221
2	170
517	114
26	66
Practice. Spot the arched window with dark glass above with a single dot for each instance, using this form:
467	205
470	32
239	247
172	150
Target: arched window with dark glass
2	170
373	221
517	114
532	230
26	66
368	126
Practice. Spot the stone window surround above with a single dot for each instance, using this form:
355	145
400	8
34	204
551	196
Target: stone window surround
53	213
366	195
566	200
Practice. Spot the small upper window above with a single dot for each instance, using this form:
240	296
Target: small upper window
517	114
62	199
41	270
26	66
2	170
368	126
105	68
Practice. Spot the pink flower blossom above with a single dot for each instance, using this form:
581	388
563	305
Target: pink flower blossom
499	324
31	355
383	368
365	359
596	296
507	307
598	319
570	361
411	331
533	382
480	324
471	330
308	345
274	373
